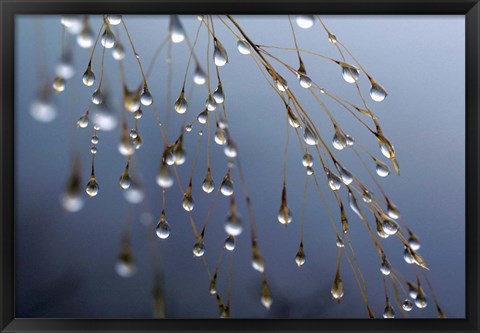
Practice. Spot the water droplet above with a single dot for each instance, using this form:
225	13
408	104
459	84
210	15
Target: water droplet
134	194
284	214
218	94
202	117
407	305
230	243
307	160
188	202
421	300
114	19
125	181
310	171
213	287
43	111
220	56
181	104
309	136
72	202
163	228
198	248
88	77
227	185
304	80
257	262
392	210
138	114
164	176
243	46
146	97
340	242
137	142
108	38
125	266
414	242
353	204
300	256
65	68
281	83
199	76
94	139
332	38
97	97
339	141
133	133
305	21
233	224
385	266
82	122
350	73
188	128
222	123
169	157
180	155
346	176
73	23
131	101
125	147
59	84
86	37
390	227
93	150
366	196
208	185
412	290
92	187
337	288
377	92
230	149
210	103
177	34
220	136
386	147
266	298
333	181
407	256
118	53
388	313
292	119
350	141
382	169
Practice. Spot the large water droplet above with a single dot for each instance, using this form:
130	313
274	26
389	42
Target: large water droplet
227	186
414	242
114	19
385	266
307	160
146	97
118	53
177	34
82	122
97	97
382	169
339	141
304	80
350	73
233	224
202	117
220	56
208	185
108	38
163	228
92	187
407	305
218	94
210	103
392	210
188	202
333	181
243	47
199	248
164	176
377	92
58	84
199	76
230	243
305	21
284	214
309	136
390	227
347	177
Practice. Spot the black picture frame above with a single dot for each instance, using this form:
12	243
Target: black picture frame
10	8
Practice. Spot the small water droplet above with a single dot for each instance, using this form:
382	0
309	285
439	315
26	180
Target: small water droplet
300	256
137	142
388	312
386	147
188	202
220	136
382	169
180	155
230	243
304	80
118	53
266	298
337	288
97	97
181	104
125	266
199	76
243	46
377	92
208	185
82	122
58	84
94	139
390	227
125	181
86	37
138	114
310	171
346	176
230	149
350	73
339	141
146	97
307	160
366	196
309	136
210	103
164	176
220	56
163	228
177	34
407	256
199	248
350	141
332	38
421	300
353	204
93	150
92	187
202	117
407	305
414	242
188	128
233	224
108	38
125	147
114	19
227	185
257	262
385	266
218	94
334	181
305	21
281	84
133	133
340	242
392	210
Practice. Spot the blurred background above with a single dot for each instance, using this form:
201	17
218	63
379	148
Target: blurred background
65	262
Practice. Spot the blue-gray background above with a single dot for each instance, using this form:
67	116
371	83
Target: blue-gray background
64	262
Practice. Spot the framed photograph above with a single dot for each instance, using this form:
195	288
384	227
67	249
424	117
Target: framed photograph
237	166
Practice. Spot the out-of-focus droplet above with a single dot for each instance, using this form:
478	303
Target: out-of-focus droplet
97	97
199	248
118	53
58	84
305	21
300	256
164	176
82	122
385	266
230	243
199	76
177	34
43	110
108	38
407	305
